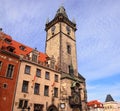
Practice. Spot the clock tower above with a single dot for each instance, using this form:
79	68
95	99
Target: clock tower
61	46
61	42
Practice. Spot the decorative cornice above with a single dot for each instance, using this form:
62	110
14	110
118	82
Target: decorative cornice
60	18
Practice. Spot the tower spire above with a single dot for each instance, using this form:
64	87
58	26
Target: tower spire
61	11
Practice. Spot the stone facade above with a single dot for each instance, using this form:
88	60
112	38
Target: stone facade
61	43
47	81
40	99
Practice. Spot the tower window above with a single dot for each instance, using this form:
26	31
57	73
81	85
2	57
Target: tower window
68	49
68	30
69	69
10	70
53	30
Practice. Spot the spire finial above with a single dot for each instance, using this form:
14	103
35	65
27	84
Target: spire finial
73	20
47	21
62	11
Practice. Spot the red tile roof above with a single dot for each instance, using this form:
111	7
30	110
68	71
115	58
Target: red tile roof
93	103
8	42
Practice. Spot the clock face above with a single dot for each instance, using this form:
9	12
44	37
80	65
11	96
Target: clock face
53	28
62	105
76	99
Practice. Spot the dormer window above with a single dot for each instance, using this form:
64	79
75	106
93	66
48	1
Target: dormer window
34	57
8	41
10	48
22	47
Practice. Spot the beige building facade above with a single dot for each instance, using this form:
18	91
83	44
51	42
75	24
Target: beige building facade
54	83
35	87
110	104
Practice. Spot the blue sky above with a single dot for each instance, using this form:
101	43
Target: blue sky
98	36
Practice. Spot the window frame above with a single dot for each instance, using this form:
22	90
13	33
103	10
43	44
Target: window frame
68	49
56	78
9	71
26	70
46	90
38	107
47	75
37	91
38	75
34	57
55	92
25	88
24	103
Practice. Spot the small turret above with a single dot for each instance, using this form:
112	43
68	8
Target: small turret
109	98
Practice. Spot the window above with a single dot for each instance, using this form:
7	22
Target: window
55	92
68	49
38	107
5	85
23	104
47	75
46	90
68	30
36	88
22	47
0	65
10	70
38	72
69	69
27	69
56	78
34	58
8	41
25	86
53	30
10	48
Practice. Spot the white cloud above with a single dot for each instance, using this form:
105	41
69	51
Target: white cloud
102	91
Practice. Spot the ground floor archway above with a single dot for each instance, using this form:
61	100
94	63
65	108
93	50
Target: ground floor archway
52	108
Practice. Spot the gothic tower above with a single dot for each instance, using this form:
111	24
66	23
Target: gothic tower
61	45
61	42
